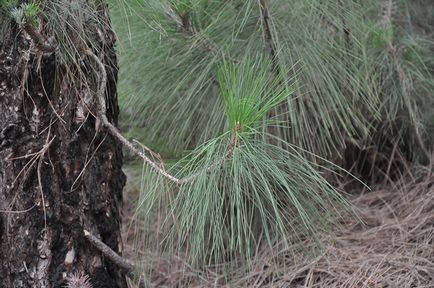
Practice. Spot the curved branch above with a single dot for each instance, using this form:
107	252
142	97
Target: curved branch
112	129
101	113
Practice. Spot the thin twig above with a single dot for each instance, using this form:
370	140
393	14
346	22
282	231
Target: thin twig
269	39
112	129
38	170
187	29
17	211
346	30
154	154
121	262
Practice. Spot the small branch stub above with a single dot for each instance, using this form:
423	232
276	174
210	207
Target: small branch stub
114	257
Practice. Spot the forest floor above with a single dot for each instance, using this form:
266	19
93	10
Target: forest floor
393	247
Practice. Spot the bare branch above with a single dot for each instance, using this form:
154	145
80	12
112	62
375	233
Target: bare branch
121	262
266	24
112	129
101	112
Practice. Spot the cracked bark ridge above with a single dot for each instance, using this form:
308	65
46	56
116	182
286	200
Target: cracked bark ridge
79	182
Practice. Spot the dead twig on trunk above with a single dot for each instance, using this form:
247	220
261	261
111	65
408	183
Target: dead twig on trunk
121	262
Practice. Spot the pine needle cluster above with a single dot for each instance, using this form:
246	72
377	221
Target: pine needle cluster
250	98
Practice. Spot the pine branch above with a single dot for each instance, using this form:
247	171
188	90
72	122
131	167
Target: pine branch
112	129
115	132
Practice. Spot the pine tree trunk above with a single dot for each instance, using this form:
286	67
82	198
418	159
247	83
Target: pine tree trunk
59	173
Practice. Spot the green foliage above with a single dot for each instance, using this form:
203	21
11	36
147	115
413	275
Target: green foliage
252	100
231	28
249	91
396	60
263	193
26	13
22	13
245	192
380	36
6	4
181	7
338	95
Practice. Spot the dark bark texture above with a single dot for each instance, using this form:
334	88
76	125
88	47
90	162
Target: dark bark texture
59	173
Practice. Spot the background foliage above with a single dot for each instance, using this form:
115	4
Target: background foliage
326	83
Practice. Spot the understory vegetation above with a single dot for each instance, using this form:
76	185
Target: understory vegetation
268	112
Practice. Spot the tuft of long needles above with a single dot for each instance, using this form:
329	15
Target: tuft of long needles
246	192
344	77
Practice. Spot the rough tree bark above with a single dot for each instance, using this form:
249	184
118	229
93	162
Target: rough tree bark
59	173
